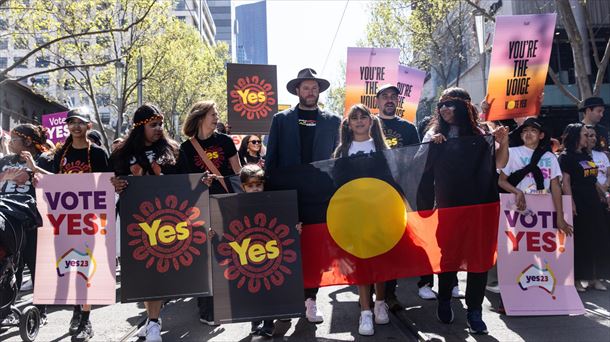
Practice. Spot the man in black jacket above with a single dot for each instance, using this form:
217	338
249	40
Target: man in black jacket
301	135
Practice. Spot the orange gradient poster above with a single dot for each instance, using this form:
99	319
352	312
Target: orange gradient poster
519	64
368	69
410	83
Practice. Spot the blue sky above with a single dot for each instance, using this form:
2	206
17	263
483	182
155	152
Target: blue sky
300	33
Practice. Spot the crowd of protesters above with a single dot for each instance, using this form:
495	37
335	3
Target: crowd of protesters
306	133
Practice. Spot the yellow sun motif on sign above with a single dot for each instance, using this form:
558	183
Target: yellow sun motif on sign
511	104
366	217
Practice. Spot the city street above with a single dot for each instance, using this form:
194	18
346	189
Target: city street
339	306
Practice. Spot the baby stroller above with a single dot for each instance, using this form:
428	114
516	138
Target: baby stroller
11	243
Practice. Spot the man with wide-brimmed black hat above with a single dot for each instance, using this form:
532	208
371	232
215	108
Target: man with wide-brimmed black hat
304	133
593	112
300	135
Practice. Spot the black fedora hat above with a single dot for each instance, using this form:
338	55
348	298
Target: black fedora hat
592	102
304	75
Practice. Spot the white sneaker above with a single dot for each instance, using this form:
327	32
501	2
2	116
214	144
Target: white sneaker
366	323
27	286
311	312
381	312
151	331
425	292
142	331
493	288
456	293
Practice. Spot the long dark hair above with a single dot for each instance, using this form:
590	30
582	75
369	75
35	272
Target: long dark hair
243	148
166	149
571	136
347	137
465	114
35	135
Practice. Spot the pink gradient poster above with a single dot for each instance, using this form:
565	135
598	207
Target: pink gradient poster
410	83
535	261
76	252
367	69
519	64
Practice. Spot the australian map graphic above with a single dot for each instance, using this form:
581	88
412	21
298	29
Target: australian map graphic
83	263
536	276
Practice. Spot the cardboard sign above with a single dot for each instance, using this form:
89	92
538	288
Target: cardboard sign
57	128
164	238
519	64
535	260
410	83
257	258
367	69
251	97
75	258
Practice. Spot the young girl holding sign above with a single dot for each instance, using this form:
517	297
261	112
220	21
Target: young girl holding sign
79	155
361	134
146	151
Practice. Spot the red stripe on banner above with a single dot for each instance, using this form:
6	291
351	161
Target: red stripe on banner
448	239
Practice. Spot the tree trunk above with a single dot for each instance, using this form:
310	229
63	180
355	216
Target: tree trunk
569	22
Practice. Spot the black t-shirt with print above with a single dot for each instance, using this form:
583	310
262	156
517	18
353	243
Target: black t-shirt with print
399	132
13	161
307	132
145	163
583	176
219	148
81	160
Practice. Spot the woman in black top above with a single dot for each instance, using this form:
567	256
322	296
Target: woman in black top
147	150
250	150
212	152
79	155
219	153
591	256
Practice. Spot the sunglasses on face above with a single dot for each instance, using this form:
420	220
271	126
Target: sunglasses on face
255	142
448	104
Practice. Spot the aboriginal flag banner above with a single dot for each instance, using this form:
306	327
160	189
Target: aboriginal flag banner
164	245
257	259
417	210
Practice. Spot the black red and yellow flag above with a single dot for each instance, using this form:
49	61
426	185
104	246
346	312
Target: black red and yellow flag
412	211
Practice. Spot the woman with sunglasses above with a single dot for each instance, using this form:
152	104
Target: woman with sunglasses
79	155
146	151
591	257
250	150
456	117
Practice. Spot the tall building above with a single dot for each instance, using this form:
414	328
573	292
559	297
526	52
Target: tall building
197	13
223	19
251	33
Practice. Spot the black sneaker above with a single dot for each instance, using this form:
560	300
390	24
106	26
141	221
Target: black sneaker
393	304
267	329
256	327
84	333
476	325
444	312
74	322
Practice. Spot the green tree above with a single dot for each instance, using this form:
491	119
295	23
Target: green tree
192	71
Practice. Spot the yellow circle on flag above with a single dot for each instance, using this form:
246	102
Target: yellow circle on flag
366	217
511	104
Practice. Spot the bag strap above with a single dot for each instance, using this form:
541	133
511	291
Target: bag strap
208	163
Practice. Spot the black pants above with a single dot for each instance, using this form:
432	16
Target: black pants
311	293
206	308
475	288
429	280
